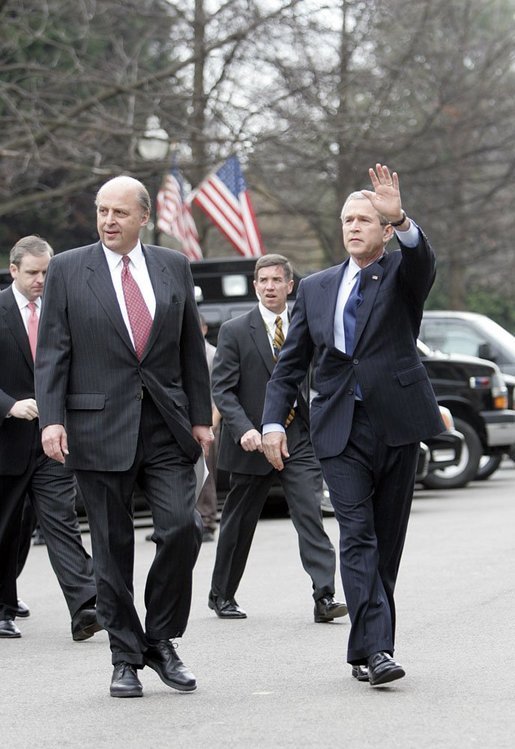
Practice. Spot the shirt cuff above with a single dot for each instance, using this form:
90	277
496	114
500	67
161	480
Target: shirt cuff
410	237
273	428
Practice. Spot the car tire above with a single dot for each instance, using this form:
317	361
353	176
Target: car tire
488	466
455	477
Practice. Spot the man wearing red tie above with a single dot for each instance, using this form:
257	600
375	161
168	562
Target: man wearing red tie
123	392
24	468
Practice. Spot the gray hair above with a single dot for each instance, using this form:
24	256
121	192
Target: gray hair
358	195
30	245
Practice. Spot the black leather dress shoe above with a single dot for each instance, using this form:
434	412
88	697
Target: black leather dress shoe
360	673
9	629
327	609
382	669
85	624
125	682
21	609
225	609
161	656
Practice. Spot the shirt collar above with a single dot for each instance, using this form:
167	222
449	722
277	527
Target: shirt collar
21	299
114	258
269	316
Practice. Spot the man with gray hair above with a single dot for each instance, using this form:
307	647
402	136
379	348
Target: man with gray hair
24	468
374	404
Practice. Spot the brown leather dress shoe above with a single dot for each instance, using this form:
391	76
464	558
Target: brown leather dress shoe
225	609
161	656
85	624
382	669
327	609
125	682
9	629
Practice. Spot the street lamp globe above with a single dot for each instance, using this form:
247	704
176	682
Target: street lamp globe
154	143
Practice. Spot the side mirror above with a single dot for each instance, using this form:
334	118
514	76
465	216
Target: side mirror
485	351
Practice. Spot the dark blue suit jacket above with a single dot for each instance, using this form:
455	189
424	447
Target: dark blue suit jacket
394	383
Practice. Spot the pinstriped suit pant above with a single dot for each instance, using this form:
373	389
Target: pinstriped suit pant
167	478
371	488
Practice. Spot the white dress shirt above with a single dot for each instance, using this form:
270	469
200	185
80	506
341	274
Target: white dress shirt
139	270
23	305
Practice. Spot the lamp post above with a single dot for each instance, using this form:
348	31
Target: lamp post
154	146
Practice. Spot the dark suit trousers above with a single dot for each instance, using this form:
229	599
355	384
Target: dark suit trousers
371	488
300	479
166	477
51	490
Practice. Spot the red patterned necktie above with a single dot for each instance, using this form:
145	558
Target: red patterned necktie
140	318
32	328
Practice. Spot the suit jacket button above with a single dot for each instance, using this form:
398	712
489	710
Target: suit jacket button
355	361
350	391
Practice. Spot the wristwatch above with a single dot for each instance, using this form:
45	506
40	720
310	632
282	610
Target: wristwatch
401	221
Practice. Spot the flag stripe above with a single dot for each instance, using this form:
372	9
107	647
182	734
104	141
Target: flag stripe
174	216
223	196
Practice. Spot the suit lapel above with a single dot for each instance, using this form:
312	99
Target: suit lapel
14	323
101	284
330	283
161	283
260	338
371	278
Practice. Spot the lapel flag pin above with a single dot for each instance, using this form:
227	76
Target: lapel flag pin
374	278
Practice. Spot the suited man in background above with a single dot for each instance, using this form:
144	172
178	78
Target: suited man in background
374	404
24	468
123	391
244	360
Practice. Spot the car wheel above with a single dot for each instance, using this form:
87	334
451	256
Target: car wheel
455	477
487	466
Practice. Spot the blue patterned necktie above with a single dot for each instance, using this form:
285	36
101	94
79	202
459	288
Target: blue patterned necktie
349	314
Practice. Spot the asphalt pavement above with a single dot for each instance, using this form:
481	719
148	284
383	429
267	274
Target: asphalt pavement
278	679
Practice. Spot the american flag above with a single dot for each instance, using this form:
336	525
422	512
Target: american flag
224	197
174	215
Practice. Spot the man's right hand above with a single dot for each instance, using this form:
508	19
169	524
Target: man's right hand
55	442
251	441
275	447
25	409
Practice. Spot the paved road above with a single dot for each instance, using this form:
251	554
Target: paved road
279	680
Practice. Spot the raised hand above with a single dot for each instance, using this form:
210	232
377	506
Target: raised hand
386	197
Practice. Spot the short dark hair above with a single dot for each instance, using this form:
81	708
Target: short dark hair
30	245
265	261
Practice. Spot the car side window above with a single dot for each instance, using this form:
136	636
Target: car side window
452	337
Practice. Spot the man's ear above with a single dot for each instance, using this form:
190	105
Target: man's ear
388	233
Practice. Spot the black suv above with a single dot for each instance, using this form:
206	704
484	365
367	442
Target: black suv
475	392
